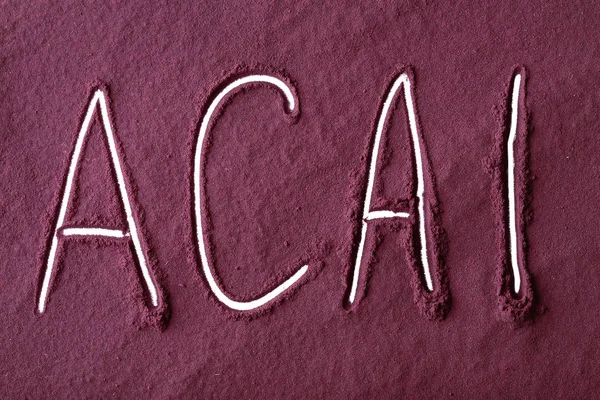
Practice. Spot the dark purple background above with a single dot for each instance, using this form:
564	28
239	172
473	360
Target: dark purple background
161	62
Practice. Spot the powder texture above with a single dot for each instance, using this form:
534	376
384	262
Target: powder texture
286	190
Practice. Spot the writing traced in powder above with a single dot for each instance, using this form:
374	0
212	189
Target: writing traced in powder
199	193
98	99
511	197
403	81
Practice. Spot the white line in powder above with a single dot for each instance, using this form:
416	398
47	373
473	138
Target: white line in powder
511	183
115	233
370	215
221	296
100	99
385	214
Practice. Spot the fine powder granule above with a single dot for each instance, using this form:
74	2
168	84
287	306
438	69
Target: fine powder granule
285	190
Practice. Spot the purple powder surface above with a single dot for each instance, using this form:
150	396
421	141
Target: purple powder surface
282	192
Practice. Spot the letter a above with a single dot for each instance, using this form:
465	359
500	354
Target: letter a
368	216
199	188
99	98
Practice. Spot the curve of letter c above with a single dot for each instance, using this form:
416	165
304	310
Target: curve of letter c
204	127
